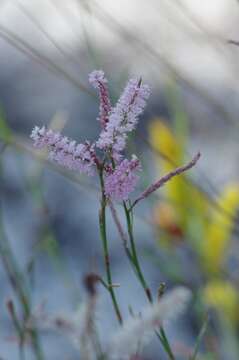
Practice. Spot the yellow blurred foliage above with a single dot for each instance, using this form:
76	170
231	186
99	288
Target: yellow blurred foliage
166	218
186	214
222	296
186	209
184	200
163	141
218	233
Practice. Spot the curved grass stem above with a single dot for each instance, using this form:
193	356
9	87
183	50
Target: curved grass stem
136	265
134	255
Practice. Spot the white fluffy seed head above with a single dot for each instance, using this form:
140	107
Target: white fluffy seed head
137	332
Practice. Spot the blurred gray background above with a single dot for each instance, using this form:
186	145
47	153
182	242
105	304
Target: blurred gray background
47	49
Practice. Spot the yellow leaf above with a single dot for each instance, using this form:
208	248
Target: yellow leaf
222	296
216	243
163	140
186	200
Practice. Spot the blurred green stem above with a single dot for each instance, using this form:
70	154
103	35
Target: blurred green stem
134	255
200	337
17	282
18	327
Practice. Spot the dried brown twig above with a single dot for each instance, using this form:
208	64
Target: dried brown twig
155	186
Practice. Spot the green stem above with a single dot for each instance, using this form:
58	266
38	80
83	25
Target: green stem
134	255
16	277
102	223
135	262
18	327
18	284
164	341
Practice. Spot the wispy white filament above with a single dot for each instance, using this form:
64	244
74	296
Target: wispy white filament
138	332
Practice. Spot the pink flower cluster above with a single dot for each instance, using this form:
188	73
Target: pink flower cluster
98	80
116	122
64	151
122	181
124	117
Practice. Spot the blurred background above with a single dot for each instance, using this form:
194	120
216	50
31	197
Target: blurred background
187	233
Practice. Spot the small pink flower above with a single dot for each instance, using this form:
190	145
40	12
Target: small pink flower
120	183
98	80
124	116
64	151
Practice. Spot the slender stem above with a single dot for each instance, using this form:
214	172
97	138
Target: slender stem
102	224
16	277
164	341
123	236
134	255
18	327
135	262
200	337
18	284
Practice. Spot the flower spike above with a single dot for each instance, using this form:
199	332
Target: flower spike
64	151
124	117
99	82
122	181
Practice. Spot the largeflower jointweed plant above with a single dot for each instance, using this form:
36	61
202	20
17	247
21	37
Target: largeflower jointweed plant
118	175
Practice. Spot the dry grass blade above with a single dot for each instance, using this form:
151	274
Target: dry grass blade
34	54
199	338
164	179
159	58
